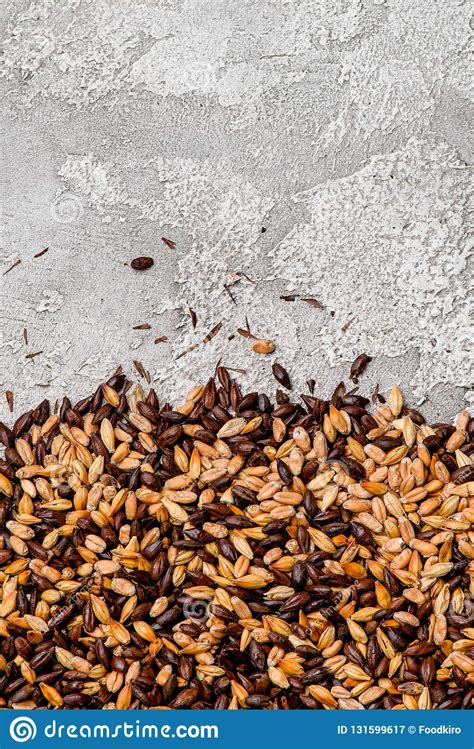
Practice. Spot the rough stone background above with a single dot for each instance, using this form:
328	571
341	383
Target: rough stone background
341	126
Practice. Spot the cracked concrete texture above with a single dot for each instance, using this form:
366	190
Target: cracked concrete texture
340	126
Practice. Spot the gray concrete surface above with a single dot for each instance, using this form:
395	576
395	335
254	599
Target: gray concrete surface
341	126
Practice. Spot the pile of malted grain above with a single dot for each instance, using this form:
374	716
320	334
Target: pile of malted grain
232	553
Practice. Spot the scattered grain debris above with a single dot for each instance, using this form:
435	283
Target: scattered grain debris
9	399
212	333
193	317
187	351
358	366
142	263
17	262
313	302
235	553
281	375
263	346
311	385
41	253
247	278
226	287
377	395
139	367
